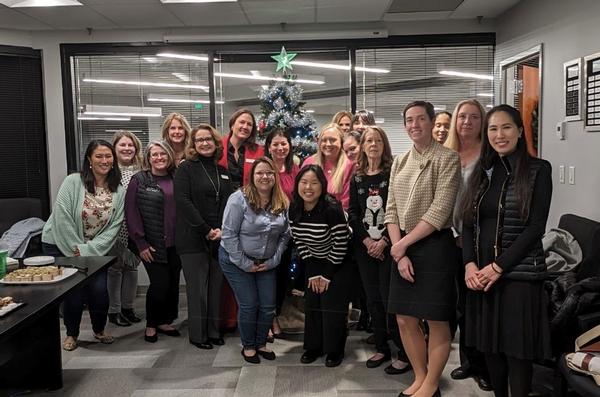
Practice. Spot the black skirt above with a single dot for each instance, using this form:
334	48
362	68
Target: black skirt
433	294
511	318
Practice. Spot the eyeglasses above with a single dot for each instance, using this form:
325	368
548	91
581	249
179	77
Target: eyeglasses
156	155
204	140
265	174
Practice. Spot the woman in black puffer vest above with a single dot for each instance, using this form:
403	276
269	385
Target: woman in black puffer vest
150	215
505	212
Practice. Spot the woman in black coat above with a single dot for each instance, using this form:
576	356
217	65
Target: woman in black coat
202	188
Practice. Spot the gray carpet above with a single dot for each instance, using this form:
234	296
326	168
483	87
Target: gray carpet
174	367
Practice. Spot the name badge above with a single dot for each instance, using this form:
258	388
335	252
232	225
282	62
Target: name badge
250	161
224	177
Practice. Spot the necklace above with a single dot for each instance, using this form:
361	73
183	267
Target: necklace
218	186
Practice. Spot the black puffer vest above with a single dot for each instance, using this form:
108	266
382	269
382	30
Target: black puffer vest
510	225
151	203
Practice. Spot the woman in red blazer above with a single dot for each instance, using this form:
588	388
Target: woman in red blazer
239	152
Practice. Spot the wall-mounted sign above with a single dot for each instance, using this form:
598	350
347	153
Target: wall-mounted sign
572	89
591	97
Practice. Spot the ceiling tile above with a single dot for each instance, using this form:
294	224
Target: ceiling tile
11	19
75	18
138	16
225	14
280	11
351	10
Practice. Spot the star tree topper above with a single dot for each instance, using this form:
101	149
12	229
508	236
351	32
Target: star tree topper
284	60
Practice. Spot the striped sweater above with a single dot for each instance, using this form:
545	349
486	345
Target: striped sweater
321	238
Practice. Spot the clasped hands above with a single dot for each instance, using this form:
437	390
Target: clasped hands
214	235
375	248
483	279
318	285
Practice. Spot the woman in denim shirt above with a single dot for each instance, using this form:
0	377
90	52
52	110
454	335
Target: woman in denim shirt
253	238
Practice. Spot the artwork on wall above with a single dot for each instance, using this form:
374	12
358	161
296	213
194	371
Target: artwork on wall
591	97
572	90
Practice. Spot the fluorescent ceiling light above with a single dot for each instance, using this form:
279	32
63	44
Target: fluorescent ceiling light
147	83
380	121
309	111
181	76
265	78
39	3
150	59
489	106
469	75
439	108
104	118
486	94
182	56
338	67
132	111
134	131
196	1
177	99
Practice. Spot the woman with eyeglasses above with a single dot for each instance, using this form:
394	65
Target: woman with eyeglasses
150	215
254	236
202	188
176	132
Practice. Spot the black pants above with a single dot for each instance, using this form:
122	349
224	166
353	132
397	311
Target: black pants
375	275
469	356
325	327
162	298
509	372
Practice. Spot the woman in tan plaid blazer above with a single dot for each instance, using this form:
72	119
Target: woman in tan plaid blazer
423	186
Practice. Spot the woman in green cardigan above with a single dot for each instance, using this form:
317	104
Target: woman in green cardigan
85	221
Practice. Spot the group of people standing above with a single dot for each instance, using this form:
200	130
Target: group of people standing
445	235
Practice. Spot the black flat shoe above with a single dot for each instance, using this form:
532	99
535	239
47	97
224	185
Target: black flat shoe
251	359
130	316
168	332
334	359
270	339
204	345
151	339
462	372
217	341
310	356
279	335
391	370
376	363
484	383
267	355
118	319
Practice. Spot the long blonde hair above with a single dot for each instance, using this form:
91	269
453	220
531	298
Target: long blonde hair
138	158
167	123
279	201
452	141
337	179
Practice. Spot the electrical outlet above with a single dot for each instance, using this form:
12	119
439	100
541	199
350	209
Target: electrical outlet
571	175
561	174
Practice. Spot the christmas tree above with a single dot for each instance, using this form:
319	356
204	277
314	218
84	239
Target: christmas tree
282	107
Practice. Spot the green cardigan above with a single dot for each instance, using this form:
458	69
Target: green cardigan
65	226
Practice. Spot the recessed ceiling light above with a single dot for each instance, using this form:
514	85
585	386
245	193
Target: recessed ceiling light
266	78
197	1
147	83
39	3
465	74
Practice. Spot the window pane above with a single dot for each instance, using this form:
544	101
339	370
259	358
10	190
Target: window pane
136	92
414	74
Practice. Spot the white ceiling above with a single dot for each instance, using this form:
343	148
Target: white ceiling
135	14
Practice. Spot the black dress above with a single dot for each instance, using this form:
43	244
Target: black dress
511	318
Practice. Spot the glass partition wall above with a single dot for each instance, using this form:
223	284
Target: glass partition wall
136	89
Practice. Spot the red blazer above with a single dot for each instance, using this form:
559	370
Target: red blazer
249	157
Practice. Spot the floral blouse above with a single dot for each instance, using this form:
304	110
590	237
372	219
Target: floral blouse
97	209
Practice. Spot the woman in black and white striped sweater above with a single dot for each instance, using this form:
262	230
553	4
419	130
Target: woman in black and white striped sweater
320	232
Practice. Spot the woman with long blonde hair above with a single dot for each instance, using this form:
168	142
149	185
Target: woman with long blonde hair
338	169
176	131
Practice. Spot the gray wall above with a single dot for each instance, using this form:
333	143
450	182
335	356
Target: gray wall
567	30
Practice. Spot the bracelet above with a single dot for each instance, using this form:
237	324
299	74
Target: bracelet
494	269
387	240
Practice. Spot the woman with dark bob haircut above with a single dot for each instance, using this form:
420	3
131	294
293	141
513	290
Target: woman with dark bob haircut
320	232
85	221
505	212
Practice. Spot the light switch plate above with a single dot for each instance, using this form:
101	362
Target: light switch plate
571	175
561	174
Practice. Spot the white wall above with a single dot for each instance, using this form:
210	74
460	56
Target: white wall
567	30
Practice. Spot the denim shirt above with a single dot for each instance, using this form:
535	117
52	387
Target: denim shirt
247	235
